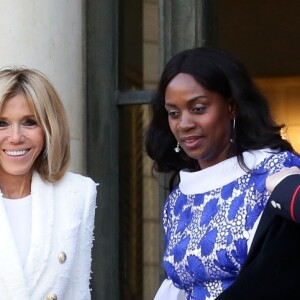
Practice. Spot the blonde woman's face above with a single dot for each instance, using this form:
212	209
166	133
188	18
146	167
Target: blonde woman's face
21	138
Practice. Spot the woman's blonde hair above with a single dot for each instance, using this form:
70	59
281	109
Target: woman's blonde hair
49	111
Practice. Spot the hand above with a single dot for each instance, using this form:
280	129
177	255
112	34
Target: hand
274	179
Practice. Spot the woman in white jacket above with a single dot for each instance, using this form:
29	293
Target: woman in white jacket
46	213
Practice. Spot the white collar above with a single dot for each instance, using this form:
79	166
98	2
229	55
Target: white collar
220	174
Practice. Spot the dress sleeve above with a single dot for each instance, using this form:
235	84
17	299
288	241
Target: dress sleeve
284	160
168	291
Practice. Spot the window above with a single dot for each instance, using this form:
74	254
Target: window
264	35
139	212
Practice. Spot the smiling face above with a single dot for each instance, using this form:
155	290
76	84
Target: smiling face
199	119
21	138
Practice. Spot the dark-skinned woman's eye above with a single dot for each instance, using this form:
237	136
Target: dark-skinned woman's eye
173	114
199	109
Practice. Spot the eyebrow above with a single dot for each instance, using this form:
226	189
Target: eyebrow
23	117
190	100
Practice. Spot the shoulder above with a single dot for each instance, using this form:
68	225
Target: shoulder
271	156
69	181
76	188
286	158
76	181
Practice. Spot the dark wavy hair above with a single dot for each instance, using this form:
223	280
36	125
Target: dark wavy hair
217	71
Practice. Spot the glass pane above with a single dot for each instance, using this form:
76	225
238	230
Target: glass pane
139	209
140	214
264	35
138	44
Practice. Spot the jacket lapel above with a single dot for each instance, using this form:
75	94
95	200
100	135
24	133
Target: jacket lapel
42	229
11	271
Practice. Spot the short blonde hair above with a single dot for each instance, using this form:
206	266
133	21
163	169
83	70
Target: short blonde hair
49	111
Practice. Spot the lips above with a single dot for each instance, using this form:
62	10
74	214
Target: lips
191	142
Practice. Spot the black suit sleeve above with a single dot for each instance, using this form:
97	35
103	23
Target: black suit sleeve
285	198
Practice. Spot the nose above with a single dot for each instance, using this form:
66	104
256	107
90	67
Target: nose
186	121
16	134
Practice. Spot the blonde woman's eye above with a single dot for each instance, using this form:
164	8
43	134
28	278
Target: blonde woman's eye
3	123
30	122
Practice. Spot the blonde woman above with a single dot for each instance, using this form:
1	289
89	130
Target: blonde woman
46	213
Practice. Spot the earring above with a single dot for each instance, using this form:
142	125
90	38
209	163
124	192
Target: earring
177	148
233	129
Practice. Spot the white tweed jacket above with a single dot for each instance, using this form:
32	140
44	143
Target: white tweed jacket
59	261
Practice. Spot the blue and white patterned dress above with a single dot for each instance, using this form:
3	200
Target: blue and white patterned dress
209	222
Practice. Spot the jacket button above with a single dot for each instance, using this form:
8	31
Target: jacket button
275	204
51	296
62	257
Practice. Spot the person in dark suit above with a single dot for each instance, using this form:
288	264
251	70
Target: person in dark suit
46	213
212	131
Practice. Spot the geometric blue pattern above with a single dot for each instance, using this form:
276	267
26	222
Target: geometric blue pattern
206	234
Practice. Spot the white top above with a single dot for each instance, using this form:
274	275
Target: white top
19	217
